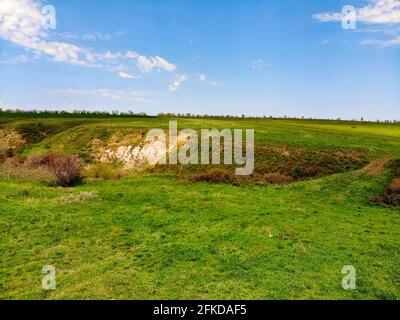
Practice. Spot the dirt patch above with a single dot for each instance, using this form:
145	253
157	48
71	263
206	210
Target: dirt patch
216	176
301	163
391	195
274	164
11	143
274	178
376	167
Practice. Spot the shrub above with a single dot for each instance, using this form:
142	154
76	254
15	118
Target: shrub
3	156
118	176
275	178
9	152
395	166
394	187
216	176
38	160
65	167
36	132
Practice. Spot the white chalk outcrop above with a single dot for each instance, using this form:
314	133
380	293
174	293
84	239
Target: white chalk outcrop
149	152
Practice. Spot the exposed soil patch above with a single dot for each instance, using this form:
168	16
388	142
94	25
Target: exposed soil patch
301	163
274	178
11	143
391	195
376	167
216	176
282	164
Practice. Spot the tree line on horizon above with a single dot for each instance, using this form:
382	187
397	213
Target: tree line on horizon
131	114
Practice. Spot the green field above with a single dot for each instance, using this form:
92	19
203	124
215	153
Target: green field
157	234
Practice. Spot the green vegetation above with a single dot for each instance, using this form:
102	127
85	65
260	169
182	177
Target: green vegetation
157	235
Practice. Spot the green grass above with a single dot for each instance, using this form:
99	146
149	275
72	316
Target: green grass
151	237
372	137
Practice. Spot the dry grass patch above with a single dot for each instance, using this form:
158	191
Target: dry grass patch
274	178
11	143
77	198
23	173
376	167
104	171
216	176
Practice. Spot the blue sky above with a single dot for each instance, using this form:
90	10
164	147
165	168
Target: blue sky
256	57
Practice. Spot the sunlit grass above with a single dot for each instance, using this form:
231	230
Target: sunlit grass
151	237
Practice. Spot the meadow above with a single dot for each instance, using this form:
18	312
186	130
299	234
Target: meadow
185	232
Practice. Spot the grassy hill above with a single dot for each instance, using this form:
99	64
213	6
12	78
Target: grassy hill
157	234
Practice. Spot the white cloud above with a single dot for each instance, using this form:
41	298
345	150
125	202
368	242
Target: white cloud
18	59
259	64
383	43
122	95
179	78
87	36
384	13
325	42
144	63
147	64
201	76
109	56
126	75
21	24
96	36
131	55
376	12
214	83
